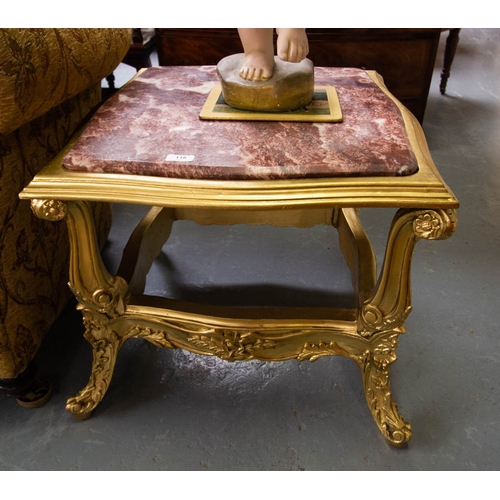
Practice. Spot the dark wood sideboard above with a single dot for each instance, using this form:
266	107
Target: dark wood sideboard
404	57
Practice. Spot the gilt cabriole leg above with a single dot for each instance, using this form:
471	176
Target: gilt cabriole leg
390	301
101	297
384	312
374	365
144	245
105	347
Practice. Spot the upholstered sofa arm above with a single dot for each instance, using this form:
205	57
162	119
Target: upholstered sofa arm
42	67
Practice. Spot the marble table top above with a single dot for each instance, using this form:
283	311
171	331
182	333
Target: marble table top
152	127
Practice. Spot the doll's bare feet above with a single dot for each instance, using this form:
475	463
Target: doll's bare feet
292	45
257	66
258	62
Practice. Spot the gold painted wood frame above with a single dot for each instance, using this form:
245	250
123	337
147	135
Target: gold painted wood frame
115	308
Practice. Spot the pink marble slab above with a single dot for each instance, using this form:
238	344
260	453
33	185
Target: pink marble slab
152	127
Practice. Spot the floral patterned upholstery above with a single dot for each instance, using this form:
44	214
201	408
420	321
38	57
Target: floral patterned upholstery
49	83
40	68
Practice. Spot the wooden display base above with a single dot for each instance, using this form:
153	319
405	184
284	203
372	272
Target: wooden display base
325	107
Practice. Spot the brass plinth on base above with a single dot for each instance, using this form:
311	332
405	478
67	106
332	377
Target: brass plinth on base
115	308
290	87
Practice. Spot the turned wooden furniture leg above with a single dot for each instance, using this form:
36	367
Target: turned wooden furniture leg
111	81
449	55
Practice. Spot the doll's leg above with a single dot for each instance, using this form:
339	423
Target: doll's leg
258	63
292	44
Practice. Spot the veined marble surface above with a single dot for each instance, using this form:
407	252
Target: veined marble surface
152	127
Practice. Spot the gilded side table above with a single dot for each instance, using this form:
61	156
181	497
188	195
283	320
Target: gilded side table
147	146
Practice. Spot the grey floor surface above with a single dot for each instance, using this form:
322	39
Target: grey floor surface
172	410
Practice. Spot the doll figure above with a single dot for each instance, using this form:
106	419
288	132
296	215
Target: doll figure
258	61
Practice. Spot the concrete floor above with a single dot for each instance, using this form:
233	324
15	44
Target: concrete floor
172	410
